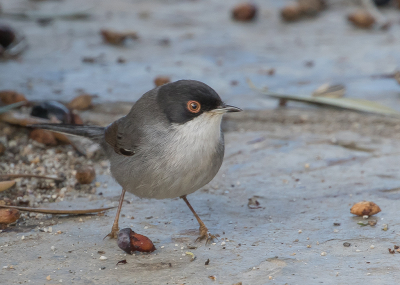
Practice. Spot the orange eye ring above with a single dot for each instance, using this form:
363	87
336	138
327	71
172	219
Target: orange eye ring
193	106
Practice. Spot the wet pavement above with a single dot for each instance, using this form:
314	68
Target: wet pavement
305	183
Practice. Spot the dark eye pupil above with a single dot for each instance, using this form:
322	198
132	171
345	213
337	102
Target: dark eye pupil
194	105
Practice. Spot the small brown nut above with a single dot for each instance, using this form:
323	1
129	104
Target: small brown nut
81	102
8	216
311	7
43	136
362	19
117	38
129	241
365	208
291	13
161	80
244	12
9	97
2	148
85	175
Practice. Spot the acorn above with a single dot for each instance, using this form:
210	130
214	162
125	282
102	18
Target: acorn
362	19
43	136
365	208
244	12
81	102
9	97
161	80
129	241
8	216
311	7
291	13
85	175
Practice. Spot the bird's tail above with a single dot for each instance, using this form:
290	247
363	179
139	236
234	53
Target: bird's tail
94	133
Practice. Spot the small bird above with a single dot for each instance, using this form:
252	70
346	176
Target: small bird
169	145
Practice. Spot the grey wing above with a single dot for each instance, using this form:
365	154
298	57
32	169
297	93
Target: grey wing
123	142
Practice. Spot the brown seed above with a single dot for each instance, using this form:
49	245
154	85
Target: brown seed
362	19
117	38
8	216
9	97
365	208
43	136
244	12
291	13
85	175
161	80
311	7
129	241
81	102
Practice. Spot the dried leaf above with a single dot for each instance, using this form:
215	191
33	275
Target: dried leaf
59	212
4	109
330	91
4	185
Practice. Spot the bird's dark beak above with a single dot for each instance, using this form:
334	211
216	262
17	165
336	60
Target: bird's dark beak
229	109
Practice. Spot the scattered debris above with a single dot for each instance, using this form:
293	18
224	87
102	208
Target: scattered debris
212	277
362	19
103	257
385	227
10	97
336	224
372	223
391	251
117	38
207	262
365	208
101	252
129	241
81	102
122	262
253	203
244	12
323	253
193	257
4	185
48	278
363	224
53	111
161	80
85	175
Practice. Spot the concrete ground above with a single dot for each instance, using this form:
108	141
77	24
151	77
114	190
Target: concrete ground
305	177
305	166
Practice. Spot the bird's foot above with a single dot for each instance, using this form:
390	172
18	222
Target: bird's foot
205	234
114	232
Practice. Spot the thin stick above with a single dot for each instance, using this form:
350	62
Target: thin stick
59	212
11	176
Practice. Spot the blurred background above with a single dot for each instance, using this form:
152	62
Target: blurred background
116	49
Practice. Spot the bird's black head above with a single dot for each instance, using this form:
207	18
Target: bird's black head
185	100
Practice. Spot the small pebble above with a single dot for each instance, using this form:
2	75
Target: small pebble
308	245
323	253
346	244
385	227
223	243
372	247
300	231
53	248
103	257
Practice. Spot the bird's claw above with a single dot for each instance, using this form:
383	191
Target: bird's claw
113	234
204	234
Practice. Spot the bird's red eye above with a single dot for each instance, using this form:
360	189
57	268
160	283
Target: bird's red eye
194	106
